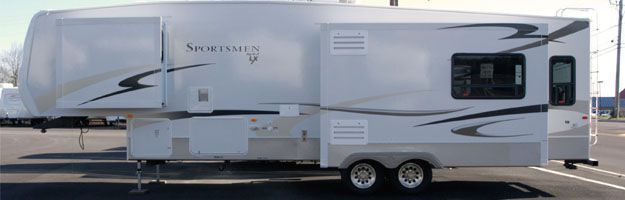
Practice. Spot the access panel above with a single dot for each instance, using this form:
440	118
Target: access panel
217	136
150	138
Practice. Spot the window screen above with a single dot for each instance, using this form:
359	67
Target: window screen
488	76
562	71
202	95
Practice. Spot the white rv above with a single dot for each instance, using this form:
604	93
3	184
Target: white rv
367	90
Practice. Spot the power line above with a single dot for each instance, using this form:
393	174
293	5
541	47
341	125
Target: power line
605	52
604	30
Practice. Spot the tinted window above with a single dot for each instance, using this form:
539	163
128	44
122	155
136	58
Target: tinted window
488	76
562	81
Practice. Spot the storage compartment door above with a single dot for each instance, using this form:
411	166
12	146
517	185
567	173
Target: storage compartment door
150	138
217	136
110	63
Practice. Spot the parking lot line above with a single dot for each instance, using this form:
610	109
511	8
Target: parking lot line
595	169
612	135
579	178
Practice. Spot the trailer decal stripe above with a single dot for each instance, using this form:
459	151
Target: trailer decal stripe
301	104
185	114
524	31
472	129
132	83
508	111
375	111
393	112
574	27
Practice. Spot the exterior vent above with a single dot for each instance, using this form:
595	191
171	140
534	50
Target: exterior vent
349	42
349	132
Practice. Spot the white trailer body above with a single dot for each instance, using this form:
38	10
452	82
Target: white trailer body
308	81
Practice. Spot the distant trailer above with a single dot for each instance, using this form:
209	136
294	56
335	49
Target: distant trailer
13	111
6	85
368	90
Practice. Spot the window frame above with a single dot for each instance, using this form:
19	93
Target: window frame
523	82
554	59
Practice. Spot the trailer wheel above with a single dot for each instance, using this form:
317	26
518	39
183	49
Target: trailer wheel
363	177
412	176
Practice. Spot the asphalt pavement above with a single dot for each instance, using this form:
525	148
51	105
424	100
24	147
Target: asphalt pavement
52	166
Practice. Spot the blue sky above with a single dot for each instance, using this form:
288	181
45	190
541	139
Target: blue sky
15	15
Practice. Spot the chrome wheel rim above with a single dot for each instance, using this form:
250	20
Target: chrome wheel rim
410	175
363	175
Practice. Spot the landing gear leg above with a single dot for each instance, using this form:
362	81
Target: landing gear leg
138	190
158	176
224	165
569	165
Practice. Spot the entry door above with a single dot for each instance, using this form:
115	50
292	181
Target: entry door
569	133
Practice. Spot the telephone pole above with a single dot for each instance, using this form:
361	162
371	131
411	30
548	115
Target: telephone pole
617	99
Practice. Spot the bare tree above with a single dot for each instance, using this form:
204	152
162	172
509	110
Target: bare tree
4	75
10	61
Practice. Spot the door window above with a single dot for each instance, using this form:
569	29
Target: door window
562	80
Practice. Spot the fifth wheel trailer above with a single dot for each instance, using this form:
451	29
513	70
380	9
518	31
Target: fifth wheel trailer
367	90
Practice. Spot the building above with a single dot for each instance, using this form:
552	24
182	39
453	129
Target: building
606	104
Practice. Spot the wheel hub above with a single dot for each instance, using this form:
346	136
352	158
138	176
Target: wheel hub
363	175
410	175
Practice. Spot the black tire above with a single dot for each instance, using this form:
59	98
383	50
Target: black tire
419	174
364	166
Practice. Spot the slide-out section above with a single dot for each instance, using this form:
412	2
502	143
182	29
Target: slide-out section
452	93
109	63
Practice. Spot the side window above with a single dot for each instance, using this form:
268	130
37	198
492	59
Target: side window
562	80
488	76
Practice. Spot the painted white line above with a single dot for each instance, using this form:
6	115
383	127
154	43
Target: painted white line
595	169
569	136
519	188
612	135
579	178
